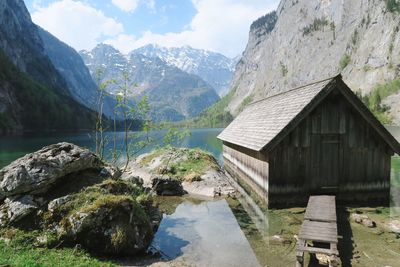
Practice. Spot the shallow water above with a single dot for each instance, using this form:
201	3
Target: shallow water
231	232
206	234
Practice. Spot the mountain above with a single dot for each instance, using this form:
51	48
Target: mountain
304	41
173	94
33	94
70	65
214	68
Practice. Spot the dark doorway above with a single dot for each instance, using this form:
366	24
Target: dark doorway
325	163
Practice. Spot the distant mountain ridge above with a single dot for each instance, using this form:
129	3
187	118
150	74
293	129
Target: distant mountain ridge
214	68
173	94
34	96
70	65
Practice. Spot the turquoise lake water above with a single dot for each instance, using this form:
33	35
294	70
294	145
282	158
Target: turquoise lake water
202	232
14	147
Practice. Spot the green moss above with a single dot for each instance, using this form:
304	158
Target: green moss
149	157
193	162
108	194
284	69
108	201
197	162
344	61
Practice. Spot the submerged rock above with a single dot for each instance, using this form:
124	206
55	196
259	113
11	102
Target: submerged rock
167	186
364	220
393	226
37	172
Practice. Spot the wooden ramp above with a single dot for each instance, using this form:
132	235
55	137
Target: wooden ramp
318	233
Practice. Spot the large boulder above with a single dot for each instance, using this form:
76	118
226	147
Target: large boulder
16	208
37	172
112	217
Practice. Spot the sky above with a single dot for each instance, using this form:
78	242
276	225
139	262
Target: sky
216	25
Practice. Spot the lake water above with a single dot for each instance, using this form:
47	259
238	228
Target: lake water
205	232
14	147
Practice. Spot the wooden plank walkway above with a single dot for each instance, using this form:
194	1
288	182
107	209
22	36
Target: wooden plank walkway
318	233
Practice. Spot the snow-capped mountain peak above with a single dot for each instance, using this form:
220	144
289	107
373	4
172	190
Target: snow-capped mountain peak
214	68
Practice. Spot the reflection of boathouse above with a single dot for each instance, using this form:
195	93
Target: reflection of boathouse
315	139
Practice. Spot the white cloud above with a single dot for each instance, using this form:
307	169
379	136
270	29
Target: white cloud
126	5
219	25
122	42
36	4
76	23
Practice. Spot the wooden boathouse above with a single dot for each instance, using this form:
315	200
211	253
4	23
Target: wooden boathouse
315	139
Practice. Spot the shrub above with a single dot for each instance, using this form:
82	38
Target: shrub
374	99
393	5
317	24
344	61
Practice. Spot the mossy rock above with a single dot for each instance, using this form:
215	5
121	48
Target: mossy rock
180	163
105	218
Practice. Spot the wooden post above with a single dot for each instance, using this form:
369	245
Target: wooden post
300	253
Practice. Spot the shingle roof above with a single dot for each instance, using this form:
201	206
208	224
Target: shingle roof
263	120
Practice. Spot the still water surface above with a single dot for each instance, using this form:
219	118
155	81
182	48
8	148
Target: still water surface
203	232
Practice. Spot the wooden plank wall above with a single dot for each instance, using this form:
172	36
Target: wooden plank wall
332	146
252	166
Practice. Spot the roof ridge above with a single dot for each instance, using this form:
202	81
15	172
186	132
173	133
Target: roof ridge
296	88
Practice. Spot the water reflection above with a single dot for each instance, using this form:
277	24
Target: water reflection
206	233
14	147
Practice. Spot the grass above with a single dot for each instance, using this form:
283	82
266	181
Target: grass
109	193
20	251
344	61
191	162
374	99
245	103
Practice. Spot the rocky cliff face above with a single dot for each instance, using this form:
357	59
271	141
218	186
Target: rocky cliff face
173	94
305	41
214	68
20	41
72	68
33	94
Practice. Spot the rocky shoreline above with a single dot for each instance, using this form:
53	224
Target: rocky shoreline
67	196
178	171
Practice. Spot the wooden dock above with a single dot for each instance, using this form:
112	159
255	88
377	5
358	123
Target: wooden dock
318	233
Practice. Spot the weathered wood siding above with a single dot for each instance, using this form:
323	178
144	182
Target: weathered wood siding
332	150
250	166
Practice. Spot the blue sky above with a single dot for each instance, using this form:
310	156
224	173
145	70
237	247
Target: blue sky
217	25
